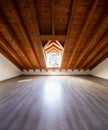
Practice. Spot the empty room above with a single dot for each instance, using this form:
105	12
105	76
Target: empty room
53	64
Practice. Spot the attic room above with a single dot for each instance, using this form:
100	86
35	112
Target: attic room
53	64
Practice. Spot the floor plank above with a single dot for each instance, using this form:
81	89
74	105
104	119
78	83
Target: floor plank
54	103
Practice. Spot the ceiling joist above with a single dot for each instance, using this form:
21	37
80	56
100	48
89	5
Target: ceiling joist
104	52
93	39
53	17
83	30
10	58
9	50
55	37
78	28
37	44
70	24
23	29
102	43
12	35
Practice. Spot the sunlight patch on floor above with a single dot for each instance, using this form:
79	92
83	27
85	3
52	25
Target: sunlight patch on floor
25	80
52	92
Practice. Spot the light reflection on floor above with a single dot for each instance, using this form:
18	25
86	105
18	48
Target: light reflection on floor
25	80
52	92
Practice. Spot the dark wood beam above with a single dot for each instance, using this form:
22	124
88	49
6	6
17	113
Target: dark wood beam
99	61
53	16
23	30
37	43
102	43
55	37
7	27
11	59
93	39
98	57
83	30
9	50
70	24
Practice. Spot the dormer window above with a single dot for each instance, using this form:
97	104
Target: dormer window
53	52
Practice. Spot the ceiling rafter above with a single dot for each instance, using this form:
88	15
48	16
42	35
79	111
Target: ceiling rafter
103	42
6	46
55	37
10	59
93	39
98	57
72	14
30	29
53	17
82	32
38	41
99	61
23	29
11	33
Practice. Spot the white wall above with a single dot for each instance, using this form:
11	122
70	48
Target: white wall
7	69
55	72
101	70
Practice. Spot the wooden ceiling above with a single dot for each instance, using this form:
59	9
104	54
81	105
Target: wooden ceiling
81	26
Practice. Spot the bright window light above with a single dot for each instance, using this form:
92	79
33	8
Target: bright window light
53	60
53	53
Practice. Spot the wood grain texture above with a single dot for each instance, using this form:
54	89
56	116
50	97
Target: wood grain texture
27	25
54	103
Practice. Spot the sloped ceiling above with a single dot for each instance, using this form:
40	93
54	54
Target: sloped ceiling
80	25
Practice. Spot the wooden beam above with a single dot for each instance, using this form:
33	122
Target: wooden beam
11	59
72	14
99	61
83	30
53	16
102	43
98	57
55	37
37	43
24	30
92	41
12	35
9	50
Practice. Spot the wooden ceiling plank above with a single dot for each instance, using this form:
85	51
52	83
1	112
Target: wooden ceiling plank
83	30
11	33
24	30
92	41
98	57
9	50
72	14
53	16
55	37
103	42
